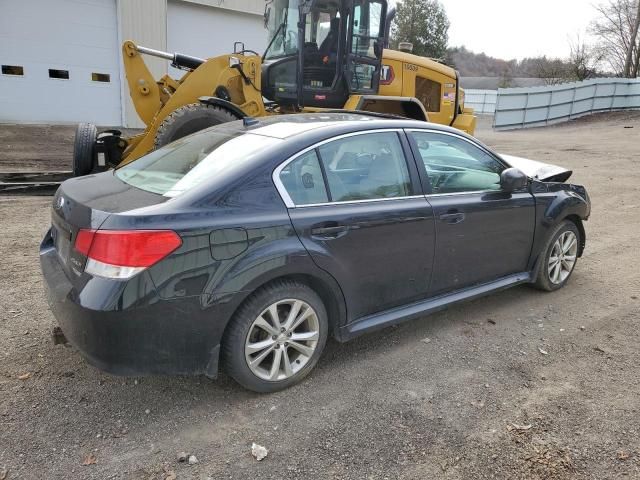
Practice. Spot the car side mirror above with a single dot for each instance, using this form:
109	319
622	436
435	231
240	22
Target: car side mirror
513	179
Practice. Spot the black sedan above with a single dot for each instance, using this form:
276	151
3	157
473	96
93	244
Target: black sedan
250	243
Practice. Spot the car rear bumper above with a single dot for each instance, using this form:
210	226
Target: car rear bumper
124	328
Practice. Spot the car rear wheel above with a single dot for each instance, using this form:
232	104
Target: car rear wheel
560	257
276	338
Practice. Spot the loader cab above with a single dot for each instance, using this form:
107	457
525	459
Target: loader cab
322	51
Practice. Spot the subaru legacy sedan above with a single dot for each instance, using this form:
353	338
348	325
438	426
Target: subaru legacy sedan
248	244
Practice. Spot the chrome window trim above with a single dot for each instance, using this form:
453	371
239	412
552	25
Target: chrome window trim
479	147
351	202
475	192
275	176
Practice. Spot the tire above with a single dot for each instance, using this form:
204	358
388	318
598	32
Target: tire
84	149
553	276
245	342
189	119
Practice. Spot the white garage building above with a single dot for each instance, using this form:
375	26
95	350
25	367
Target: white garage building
61	59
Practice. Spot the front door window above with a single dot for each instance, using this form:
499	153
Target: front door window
455	165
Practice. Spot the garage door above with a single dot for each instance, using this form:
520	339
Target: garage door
205	32
60	62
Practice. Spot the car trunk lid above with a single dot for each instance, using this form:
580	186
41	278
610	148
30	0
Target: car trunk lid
85	203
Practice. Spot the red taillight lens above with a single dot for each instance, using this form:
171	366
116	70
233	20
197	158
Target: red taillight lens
128	248
83	241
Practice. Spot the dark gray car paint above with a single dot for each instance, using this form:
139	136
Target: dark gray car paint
171	318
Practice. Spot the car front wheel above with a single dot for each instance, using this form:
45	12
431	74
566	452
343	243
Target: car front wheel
560	257
276	337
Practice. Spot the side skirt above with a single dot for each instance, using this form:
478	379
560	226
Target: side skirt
405	313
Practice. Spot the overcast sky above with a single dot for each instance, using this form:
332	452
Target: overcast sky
515	28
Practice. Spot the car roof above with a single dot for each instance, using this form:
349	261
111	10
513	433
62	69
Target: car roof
330	123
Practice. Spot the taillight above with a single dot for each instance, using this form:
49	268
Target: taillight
124	253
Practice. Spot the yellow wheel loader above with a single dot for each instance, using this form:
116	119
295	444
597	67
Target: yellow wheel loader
322	54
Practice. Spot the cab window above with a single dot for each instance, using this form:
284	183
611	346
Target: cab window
455	165
366	28
318	27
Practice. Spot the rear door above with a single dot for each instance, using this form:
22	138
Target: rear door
364	45
356	205
483	233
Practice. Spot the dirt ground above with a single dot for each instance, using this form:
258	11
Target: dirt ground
464	394
27	148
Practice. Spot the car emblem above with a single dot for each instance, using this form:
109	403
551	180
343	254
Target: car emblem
59	203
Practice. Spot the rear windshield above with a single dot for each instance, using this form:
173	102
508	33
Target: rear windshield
183	164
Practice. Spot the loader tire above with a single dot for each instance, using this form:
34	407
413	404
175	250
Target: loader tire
84	149
189	119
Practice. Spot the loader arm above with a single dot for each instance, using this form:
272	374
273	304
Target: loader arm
238	74
144	91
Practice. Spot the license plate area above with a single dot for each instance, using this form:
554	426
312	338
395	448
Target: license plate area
61	242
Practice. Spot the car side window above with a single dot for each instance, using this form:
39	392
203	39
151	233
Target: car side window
455	165
303	180
365	167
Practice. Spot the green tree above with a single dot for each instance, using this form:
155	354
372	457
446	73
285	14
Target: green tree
424	23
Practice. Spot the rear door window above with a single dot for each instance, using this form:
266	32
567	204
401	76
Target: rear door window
366	167
359	167
303	180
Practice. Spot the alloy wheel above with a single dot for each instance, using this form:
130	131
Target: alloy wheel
563	257
282	340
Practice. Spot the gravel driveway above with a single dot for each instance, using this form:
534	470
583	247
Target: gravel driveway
519	385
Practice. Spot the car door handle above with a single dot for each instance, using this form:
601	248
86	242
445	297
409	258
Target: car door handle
452	218
330	232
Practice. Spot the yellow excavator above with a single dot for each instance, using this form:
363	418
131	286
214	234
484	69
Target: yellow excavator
321	55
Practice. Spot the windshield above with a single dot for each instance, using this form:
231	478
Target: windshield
185	163
282	29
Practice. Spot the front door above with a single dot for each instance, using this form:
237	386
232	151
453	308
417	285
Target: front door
356	207
482	232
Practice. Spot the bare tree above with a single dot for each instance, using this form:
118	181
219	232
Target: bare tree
617	33
583	60
552	71
629	66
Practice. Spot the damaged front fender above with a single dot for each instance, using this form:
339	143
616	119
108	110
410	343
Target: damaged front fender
537	170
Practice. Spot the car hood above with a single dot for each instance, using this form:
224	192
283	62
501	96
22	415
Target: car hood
538	170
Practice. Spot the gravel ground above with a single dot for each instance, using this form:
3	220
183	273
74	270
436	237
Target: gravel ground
463	394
